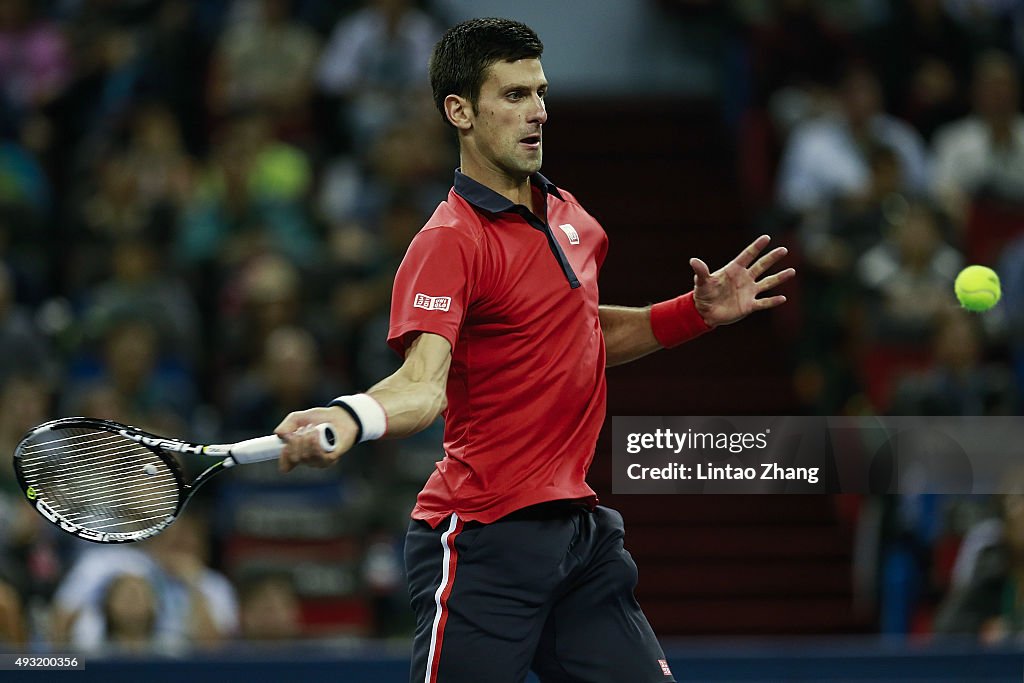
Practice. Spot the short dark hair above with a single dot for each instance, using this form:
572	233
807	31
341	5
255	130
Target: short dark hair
459	62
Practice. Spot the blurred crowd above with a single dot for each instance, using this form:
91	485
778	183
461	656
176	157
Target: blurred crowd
202	206
887	140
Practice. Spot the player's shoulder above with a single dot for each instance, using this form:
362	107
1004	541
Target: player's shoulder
574	206
455	217
569	198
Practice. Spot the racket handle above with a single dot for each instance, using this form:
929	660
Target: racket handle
269	447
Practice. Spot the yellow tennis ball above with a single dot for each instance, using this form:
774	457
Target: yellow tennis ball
977	288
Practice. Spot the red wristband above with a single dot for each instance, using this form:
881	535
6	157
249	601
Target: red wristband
676	321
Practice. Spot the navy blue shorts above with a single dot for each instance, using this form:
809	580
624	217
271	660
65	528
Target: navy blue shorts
547	588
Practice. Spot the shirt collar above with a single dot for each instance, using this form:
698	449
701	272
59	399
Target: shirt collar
483	197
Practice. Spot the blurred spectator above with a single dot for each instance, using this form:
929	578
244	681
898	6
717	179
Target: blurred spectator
991	23
155	396
825	159
78	603
12	619
908	275
23	181
23	349
200	601
34	64
129	608
288	378
269	609
265	61
26	205
30	548
263	297
129	198
836	237
109	58
176	55
958	383
360	305
408	166
156	158
195	605
796	56
24	403
249	199
115	209
376	59
983	154
922	55
988	606
142	287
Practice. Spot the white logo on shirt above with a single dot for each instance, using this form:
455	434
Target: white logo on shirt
432	303
570	232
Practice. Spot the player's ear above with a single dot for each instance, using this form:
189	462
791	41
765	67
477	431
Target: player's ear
459	111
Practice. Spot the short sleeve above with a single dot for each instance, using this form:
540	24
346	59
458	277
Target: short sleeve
433	287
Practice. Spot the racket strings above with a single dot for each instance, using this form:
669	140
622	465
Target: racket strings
100	480
121	498
115	471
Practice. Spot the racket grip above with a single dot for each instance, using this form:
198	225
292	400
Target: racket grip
269	447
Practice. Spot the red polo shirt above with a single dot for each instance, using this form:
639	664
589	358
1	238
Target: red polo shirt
516	296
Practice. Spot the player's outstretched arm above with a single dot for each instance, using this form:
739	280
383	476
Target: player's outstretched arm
410	400
627	333
720	298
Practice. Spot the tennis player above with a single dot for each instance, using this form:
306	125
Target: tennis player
511	562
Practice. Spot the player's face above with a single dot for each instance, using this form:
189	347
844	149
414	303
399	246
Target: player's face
509	115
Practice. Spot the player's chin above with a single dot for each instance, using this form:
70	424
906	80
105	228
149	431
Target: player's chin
531	163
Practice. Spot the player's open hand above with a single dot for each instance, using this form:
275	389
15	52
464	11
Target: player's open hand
302	442
731	292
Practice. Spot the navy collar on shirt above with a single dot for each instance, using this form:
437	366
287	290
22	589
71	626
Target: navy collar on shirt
486	199
483	197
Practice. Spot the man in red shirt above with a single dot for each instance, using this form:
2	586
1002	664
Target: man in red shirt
511	563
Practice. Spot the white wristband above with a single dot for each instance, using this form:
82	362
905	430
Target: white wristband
373	421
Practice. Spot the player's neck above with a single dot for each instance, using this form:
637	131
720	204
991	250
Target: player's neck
515	189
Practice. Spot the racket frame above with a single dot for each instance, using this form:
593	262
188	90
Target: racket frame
160	446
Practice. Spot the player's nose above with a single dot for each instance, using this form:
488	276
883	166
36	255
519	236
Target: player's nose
539	112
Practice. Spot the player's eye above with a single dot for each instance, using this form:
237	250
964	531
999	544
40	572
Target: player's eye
515	95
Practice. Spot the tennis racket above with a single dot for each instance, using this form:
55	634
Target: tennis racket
110	483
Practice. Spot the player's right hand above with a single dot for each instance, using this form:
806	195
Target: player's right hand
302	443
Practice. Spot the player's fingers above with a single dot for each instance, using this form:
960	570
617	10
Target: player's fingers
293	422
312	451
762	264
770	302
288	425
293	453
284	461
747	256
700	270
775	280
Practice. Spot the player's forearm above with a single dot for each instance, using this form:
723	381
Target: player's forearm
627	333
630	333
412	398
400	405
